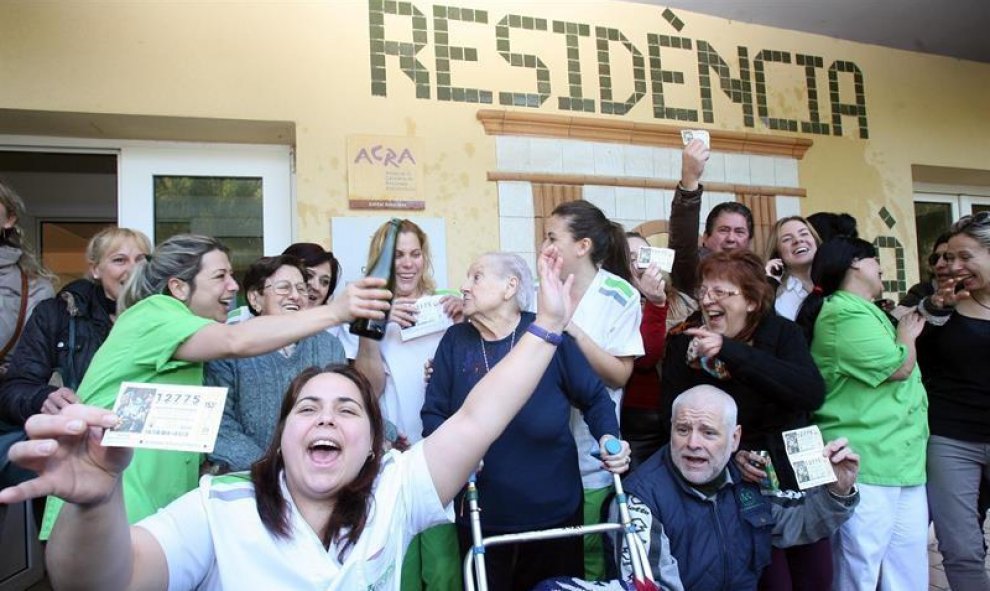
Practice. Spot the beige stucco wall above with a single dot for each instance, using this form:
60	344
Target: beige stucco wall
308	62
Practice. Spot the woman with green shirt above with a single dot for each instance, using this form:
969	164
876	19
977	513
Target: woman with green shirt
170	322
875	398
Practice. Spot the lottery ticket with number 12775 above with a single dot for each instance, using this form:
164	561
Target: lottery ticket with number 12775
166	416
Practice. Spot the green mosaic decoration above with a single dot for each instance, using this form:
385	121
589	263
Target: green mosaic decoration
603	37
405	51
887	217
659	76
749	88
447	53
523	60
812	63
574	101
669	16
739	90
898	285
780	57
838	108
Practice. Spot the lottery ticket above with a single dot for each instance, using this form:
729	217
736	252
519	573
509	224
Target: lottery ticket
166	416
696	134
650	254
430	318
804	451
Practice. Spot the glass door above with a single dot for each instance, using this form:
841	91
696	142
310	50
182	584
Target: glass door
239	194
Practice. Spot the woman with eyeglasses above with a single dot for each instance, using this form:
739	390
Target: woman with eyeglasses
875	398
275	286
953	359
322	271
737	343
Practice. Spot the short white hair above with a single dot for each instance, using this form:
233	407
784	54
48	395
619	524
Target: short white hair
513	265
706	394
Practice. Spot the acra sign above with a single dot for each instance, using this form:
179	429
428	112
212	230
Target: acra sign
653	73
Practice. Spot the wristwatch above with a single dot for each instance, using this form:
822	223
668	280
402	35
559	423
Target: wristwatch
551	337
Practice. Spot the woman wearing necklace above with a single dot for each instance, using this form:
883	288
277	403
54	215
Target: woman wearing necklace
274	286
952	359
530	478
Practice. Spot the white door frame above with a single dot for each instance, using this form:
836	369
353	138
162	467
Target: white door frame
138	161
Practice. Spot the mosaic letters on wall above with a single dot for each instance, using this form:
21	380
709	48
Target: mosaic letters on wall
400	30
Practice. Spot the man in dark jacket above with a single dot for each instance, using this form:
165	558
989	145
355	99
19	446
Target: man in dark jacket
702	526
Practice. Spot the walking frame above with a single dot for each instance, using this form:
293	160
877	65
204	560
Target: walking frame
476	557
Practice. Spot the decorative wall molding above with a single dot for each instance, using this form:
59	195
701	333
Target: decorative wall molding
641	182
501	122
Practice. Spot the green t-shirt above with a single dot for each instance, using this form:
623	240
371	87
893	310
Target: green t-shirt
855	348
140	349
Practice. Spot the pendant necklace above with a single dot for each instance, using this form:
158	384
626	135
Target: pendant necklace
973	297
484	354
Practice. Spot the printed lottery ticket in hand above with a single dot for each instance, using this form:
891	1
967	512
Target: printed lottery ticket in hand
651	254
804	449
687	135
430	318
166	416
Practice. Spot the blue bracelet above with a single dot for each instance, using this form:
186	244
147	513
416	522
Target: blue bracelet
544	334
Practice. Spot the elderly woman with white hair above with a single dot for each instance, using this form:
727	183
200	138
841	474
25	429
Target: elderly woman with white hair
531	478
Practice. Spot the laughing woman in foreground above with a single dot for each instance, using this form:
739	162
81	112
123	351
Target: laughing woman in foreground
326	510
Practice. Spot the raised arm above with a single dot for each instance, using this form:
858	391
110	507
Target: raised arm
456	447
685	217
91	546
363	298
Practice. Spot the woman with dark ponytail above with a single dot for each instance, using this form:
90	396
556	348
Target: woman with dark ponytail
874	397
605	325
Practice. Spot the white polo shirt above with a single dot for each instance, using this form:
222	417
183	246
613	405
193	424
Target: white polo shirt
213	538
610	314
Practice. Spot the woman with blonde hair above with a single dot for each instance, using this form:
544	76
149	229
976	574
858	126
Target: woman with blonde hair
431	562
64	333
24	282
791	248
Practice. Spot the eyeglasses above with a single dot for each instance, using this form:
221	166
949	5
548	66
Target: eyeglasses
717	294
284	288
935	256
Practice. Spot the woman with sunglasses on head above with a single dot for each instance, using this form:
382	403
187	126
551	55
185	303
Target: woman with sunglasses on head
172	317
275	286
952	352
737	343
790	250
940	272
324	509
875	398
